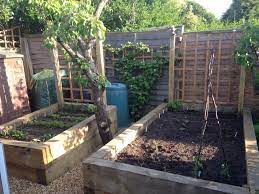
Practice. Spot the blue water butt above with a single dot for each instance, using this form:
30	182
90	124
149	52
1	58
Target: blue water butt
117	94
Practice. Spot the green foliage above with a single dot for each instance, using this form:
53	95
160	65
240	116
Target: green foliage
175	106
138	75
91	108
52	124
46	137
124	15
197	166
246	53
242	9
12	133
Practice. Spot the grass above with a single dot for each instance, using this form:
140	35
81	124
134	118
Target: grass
256	126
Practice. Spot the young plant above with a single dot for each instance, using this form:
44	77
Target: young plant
15	134
91	108
224	170
175	106
197	166
46	137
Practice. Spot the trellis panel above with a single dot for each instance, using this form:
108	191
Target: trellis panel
191	68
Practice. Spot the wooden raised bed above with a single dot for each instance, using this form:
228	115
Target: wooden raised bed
103	175
44	162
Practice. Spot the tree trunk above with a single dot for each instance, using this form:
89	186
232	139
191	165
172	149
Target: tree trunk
102	118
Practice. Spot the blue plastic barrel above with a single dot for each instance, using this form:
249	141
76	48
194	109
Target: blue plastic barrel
117	94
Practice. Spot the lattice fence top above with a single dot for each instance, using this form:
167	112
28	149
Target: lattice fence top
10	38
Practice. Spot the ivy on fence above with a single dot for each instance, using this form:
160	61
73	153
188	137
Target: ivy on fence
139	75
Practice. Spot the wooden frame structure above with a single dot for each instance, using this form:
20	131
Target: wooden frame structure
10	38
44	162
103	175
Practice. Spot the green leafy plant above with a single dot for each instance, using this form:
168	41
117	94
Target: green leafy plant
139	75
46	137
174	106
16	134
52	124
197	166
91	108
246	52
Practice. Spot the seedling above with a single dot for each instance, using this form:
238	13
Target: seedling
224	170
175	106
91	108
16	134
197	166
46	137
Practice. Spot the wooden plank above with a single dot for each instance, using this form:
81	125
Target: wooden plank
194	89
28	63
184	62
171	68
58	82
219	63
114	177
252	154
206	67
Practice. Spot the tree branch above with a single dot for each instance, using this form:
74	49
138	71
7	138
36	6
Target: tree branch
100	7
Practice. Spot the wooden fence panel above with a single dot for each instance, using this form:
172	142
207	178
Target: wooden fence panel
191	67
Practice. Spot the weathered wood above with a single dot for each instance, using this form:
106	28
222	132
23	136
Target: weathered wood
241	94
117	178
171	68
58	82
252	154
28	63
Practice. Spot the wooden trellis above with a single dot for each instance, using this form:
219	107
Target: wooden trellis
10	38
111	58
189	67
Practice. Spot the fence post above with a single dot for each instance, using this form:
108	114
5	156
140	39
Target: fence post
100	61
242	83
58	82
27	58
171	67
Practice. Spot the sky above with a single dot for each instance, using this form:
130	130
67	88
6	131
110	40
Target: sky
217	7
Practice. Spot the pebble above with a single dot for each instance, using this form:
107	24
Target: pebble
69	183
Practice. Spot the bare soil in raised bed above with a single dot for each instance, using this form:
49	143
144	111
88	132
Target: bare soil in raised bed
45	127
171	142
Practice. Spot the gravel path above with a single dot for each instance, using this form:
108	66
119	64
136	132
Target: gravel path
71	182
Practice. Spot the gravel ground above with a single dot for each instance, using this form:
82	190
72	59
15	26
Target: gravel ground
71	182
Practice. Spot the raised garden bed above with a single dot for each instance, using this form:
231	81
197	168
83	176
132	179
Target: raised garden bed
43	145
155	156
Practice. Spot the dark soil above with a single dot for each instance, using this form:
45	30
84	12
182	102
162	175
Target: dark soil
46	127
171	142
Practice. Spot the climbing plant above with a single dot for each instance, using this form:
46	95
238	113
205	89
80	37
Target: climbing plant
247	51
139	75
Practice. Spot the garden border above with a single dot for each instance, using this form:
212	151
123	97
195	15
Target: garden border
44	162
103	175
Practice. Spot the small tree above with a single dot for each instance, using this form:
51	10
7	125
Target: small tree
75	25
